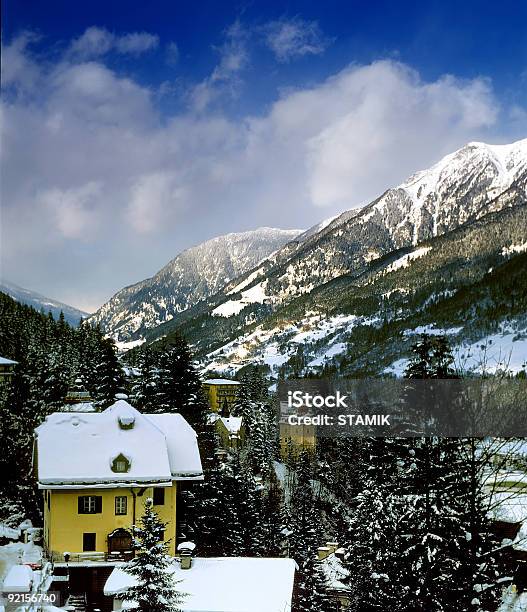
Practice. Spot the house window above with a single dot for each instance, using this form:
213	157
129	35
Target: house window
120	464
159	496
88	542
90	504
121	503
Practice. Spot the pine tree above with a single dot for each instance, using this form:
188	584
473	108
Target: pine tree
431	358
303	520
155	590
110	375
144	391
178	387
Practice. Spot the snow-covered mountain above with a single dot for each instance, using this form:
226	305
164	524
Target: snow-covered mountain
323	270
40	302
464	186
190	277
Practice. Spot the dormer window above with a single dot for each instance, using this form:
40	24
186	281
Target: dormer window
121	464
126	421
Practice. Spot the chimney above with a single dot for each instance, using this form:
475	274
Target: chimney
185	550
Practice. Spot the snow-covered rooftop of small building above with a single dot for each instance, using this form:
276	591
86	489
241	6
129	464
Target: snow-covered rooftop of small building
220	381
232	424
226	584
76	449
5	361
335	573
19	579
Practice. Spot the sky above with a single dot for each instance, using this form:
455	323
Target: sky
131	130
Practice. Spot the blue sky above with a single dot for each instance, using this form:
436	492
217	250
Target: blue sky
126	122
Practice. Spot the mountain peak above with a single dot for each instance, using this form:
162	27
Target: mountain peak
191	276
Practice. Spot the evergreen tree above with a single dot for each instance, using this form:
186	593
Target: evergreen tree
302	522
154	590
144	391
431	357
178	386
110	375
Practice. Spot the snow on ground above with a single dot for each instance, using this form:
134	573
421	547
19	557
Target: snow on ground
274	347
16	553
253	276
432	330
513	601
335	349
253	295
404	261
126	346
397	368
500	351
514	248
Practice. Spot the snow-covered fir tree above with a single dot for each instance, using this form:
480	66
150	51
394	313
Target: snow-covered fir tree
177	384
154	589
303	526
109	375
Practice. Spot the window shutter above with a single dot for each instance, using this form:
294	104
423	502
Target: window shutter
98	504
81	505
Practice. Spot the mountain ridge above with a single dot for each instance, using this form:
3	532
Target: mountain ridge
41	302
192	275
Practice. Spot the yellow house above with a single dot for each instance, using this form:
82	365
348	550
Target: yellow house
97	470
220	392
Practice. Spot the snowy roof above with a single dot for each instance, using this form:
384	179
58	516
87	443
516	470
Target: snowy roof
232	424
508	507
19	579
220	381
4	361
9	532
79	407
76	449
226	584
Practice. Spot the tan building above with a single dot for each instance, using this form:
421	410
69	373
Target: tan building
231	431
295	438
221	393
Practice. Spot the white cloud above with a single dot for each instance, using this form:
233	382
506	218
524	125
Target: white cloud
136	43
90	161
154	198
224	78
172	53
96	42
18	68
292	38
75	210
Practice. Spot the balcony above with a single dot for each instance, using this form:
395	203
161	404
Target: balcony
89	558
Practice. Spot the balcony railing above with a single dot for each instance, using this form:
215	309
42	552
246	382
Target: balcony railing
90	557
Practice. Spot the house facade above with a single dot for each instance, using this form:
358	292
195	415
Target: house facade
221	393
7	368
96	471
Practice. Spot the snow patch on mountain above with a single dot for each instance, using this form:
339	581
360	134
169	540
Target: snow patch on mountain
514	248
404	261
